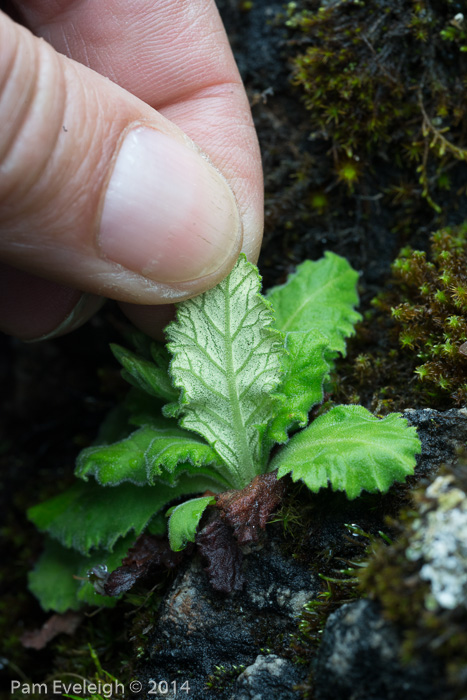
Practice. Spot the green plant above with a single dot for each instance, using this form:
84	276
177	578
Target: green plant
238	382
431	313
101	687
223	677
383	79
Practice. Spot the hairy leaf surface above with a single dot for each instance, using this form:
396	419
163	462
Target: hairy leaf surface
226	360
88	516
184	520
161	450
321	296
305	370
121	461
352	450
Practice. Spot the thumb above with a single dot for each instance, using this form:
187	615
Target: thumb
98	191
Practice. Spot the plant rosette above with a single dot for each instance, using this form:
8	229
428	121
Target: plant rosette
240	374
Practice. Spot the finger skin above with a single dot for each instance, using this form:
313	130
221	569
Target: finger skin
174	56
33	308
54	169
150	319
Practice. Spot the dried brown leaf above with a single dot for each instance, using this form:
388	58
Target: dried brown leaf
248	510
148	553
217	544
65	623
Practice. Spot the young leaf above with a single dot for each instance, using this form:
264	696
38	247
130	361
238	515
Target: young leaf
305	370
150	376
59	579
139	341
321	296
176	451
352	450
88	515
226	360
150	452
184	520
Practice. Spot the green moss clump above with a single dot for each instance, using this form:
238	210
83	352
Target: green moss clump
223	677
432	316
409	350
384	79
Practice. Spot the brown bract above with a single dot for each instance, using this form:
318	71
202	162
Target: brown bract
216	543
248	510
148	553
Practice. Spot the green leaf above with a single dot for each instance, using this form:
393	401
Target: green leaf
176	451
52	582
120	462
305	371
160	452
139	341
150	376
321	296
59	579
184	520
352	450
226	360
88	516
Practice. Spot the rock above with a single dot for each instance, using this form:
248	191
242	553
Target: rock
439	541
268	677
359	660
199	630
440	432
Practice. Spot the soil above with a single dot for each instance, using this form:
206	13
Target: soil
55	394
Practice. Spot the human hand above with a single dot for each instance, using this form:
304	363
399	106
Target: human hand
101	190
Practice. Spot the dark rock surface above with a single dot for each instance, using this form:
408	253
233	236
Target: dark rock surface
359	660
441	433
199	630
269	677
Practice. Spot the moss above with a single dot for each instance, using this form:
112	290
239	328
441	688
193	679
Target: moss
410	348
223	677
382	79
431	316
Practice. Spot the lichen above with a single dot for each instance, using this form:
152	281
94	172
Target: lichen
420	580
439	541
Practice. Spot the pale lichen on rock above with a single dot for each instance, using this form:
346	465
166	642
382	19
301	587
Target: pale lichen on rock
440	540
